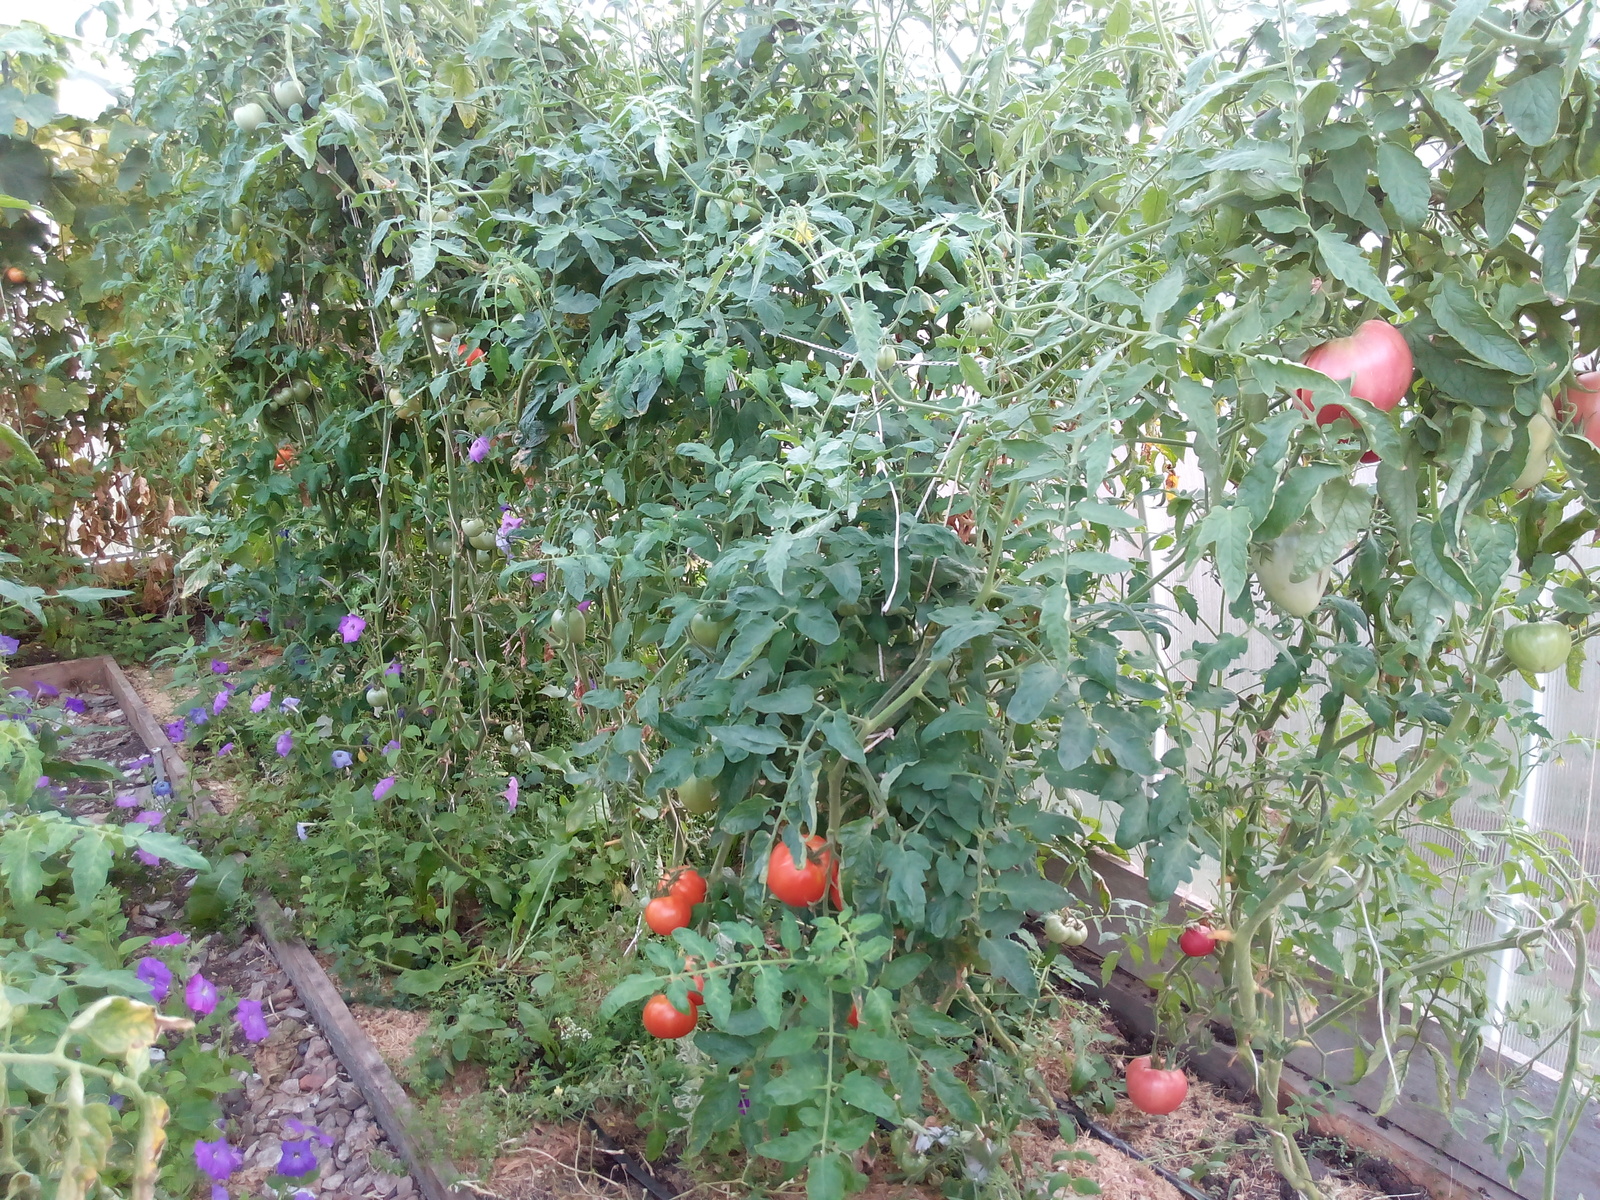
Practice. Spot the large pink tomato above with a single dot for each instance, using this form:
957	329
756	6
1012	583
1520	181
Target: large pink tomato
1581	403
1374	361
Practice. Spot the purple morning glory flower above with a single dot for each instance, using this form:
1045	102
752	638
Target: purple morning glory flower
300	1129
259	704
148	859
217	1159
161	787
151	818
127	800
479	450
252	1022
537	577
8	645
391	745
74	705
225	748
394	668
157	975
220	702
300	828
218	667
200	994
284	744
298	1159
174	731
46	691
583	605
197	716
170	939
351	627
383	787
342	759
509	522
290	703
511	793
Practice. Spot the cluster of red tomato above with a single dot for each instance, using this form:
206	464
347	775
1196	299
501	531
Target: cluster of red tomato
1152	1089
681	890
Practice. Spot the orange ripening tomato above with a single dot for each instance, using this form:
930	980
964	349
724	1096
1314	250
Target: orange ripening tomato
469	356
286	457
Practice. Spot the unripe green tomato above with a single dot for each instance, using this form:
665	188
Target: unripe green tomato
1275	570
377	697
705	632
577	627
981	323
887	358
288	93
481	556
482	541
471	527
442	328
395	397
1541	439
1065	931
568	629
300	390
1538	647
698	795
412	407
250	117
237	219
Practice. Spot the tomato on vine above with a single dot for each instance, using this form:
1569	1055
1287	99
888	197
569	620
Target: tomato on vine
1375	362
1153	1090
801	885
666	913
665	1020
698	795
1538	647
685	883
1197	941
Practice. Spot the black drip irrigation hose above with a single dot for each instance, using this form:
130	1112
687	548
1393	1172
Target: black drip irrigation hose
635	1169
1085	1123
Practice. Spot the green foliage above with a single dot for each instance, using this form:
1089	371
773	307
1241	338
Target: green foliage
850	424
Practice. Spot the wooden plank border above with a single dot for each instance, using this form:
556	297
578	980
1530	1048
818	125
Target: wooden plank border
1414	1134
357	1053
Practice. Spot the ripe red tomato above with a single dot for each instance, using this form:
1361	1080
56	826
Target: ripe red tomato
800	885
686	883
1153	1091
854	1019
1196	941
1581	403
16	275
664	1020
285	457
469	356
1375	361
666	913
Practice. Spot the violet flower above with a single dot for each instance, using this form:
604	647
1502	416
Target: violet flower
197	716
583	605
394	668
218	1192
75	705
156	975
218	667
174	731
537	577
298	1159
217	1159
290	703
383	787
151	817
161	787
127	800
46	691
300	828
200	994
479	450
170	939
148	859
511	793
341	759
391	745
251	1022
351	627
8	644
225	748
284	744
220	702
260	703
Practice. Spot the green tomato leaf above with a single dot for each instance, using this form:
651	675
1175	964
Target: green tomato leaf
1406	182
1349	266
1533	106
1455	306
